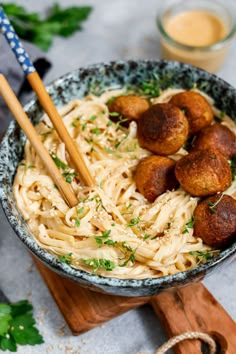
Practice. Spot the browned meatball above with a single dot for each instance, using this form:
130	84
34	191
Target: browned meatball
216	136
196	108
162	129
215	220
203	172
154	176
130	107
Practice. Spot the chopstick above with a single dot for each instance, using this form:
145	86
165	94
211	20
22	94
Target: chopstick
44	98
24	122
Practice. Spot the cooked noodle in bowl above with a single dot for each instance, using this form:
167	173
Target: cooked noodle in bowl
115	239
114	230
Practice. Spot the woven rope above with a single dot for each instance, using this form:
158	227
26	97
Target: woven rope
188	335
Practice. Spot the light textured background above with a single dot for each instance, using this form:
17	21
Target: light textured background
116	29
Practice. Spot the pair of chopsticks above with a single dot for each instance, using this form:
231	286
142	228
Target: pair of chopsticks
48	105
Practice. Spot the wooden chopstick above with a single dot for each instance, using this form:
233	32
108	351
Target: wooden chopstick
24	122
49	107
30	72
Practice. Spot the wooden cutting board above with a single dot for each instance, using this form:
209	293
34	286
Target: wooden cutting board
191	308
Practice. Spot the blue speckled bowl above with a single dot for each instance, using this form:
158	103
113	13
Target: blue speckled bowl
96	78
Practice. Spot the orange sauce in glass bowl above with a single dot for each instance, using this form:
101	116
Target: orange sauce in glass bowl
196	32
196	28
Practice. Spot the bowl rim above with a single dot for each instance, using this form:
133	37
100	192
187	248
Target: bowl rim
80	275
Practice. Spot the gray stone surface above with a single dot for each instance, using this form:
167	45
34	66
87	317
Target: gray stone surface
116	29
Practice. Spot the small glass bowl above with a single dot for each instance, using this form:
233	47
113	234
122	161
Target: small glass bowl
209	57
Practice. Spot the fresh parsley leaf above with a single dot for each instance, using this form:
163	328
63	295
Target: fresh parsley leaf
110	242
17	326
96	131
78	212
41	31
68	173
58	162
134	222
100	263
189	225
20	308
23	331
66	258
203	256
4	324
150	88
8	343
101	239
146	236
114	114
92	118
111	100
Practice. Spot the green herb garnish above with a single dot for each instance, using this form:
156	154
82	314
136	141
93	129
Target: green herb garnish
110	100
78	212
146	236
60	164
134	222
114	114
96	131
66	258
68	173
92	118
150	88
222	114
27	166
203	256
189	225
213	205
47	133
41	31
232	165
17	326
100	263
101	239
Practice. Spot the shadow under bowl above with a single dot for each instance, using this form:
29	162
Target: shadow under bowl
96	79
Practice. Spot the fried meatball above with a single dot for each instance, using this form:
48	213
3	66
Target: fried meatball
196	108
162	129
130	107
155	175
216	136
203	172
215	220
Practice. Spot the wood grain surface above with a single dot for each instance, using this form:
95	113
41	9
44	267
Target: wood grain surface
191	308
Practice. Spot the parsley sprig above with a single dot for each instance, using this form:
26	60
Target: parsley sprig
17	326
202	256
66	258
96	264
128	252
189	225
213	205
41	31
68	173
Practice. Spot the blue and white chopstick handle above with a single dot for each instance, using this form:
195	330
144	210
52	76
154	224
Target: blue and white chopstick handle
15	43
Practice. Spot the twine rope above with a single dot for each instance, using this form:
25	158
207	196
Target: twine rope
188	335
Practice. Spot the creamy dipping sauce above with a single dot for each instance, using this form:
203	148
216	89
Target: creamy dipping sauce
195	28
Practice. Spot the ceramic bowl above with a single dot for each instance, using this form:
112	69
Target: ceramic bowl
96	78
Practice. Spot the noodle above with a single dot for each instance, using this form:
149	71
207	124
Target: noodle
113	230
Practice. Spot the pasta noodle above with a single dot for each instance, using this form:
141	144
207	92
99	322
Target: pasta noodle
113	230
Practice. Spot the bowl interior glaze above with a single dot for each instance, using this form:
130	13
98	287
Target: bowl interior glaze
96	79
